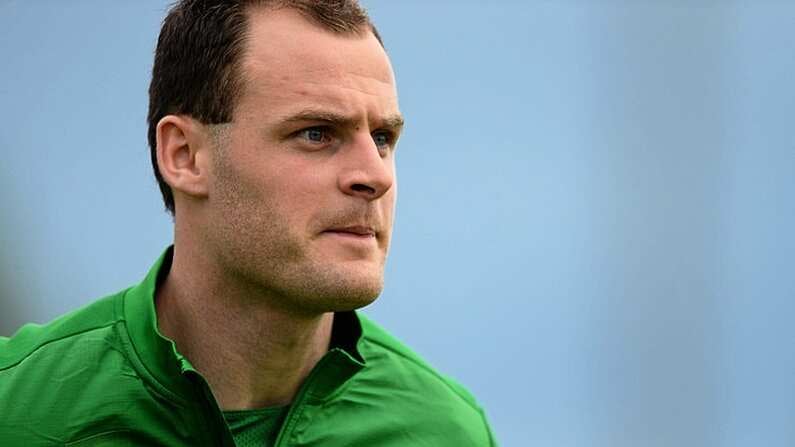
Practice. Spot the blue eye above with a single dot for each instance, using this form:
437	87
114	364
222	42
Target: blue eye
315	135
382	139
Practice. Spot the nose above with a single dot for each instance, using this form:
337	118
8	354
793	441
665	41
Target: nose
365	172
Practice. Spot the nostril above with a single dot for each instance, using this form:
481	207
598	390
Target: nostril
358	187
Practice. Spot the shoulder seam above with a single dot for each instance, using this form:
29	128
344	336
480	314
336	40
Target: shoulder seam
489	432
428	369
32	351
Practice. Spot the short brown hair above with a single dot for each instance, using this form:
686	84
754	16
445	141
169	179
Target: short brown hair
198	52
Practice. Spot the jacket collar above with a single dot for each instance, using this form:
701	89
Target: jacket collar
159	359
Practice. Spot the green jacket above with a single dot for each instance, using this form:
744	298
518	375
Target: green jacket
103	375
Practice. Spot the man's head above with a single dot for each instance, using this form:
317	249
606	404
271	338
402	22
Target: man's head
196	70
272	126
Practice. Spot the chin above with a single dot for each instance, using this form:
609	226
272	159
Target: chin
334	289
350	294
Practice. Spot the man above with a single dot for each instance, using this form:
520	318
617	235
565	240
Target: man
273	127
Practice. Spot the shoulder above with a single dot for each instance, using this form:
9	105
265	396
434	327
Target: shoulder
31	338
384	347
53	375
422	393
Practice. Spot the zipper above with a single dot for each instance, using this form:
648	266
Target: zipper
213	419
297	407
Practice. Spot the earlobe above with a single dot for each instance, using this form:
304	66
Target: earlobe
180	155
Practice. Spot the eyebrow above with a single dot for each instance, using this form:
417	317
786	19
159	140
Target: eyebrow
393	121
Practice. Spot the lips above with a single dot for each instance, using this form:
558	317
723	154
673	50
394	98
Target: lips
353	230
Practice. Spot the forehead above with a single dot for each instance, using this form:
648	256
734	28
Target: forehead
289	58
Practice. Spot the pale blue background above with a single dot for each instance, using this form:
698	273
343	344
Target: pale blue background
596	212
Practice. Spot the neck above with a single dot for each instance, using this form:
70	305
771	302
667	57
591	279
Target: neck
252	354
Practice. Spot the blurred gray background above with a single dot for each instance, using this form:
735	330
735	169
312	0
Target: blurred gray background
595	219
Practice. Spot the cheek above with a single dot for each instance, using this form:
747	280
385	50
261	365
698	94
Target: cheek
295	195
299	187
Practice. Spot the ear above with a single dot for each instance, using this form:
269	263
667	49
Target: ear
182	155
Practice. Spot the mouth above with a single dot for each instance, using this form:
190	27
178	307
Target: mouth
353	231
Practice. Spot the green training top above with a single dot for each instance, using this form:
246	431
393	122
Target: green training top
255	428
104	376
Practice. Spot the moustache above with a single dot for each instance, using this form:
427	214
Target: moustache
352	217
